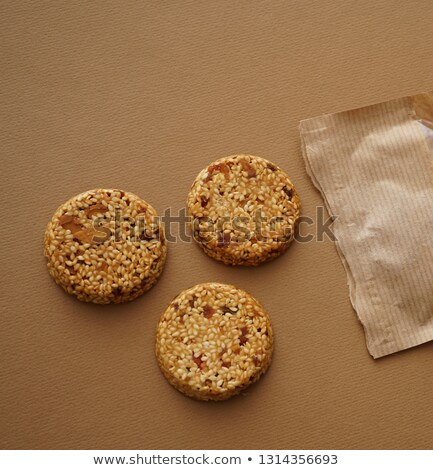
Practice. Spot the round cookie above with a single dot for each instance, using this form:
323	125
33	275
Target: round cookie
213	341
105	245
244	210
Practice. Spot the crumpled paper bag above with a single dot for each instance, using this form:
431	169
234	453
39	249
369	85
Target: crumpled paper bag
374	168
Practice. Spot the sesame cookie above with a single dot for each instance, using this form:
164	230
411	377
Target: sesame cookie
104	246
213	341
244	210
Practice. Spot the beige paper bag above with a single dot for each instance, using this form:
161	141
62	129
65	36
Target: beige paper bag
374	168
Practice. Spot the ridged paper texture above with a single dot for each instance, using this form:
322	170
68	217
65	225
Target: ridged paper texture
374	168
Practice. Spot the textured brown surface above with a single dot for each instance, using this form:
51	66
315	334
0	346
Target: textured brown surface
142	95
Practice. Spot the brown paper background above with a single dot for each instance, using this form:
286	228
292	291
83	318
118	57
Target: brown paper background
141	96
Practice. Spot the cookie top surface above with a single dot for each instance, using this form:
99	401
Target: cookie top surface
105	245
213	340
244	210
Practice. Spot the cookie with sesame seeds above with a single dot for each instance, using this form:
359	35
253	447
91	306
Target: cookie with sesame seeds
213	341
243	209
105	245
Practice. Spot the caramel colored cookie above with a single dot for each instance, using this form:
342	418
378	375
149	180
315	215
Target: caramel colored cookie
105	245
244	210
213	341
